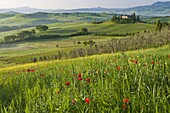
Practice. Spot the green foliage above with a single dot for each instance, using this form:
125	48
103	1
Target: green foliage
147	39
78	42
84	31
23	35
160	25
42	28
154	20
89	42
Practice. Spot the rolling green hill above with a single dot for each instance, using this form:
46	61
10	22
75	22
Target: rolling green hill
47	18
155	19
68	28
65	25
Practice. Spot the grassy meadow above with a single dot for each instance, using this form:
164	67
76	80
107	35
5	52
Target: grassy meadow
135	79
71	25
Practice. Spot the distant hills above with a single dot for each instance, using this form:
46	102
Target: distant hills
156	9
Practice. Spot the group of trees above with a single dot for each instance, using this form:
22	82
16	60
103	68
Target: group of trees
85	43
160	25
141	40
20	36
42	28
84	31
115	34
25	35
30	35
129	18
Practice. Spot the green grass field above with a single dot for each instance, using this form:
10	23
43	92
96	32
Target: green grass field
155	19
63	29
136	81
47	18
70	28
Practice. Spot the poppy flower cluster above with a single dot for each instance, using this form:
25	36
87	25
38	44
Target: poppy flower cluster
31	70
87	101
79	77
126	102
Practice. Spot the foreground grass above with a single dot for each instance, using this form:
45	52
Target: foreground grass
135	81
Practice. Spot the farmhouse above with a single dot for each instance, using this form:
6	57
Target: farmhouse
125	17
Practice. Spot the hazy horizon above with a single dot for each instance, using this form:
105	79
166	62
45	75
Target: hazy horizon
73	4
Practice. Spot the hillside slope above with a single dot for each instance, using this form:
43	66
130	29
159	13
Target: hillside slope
128	82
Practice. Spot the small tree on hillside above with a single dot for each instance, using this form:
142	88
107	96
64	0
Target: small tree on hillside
42	28
134	17
138	19
84	31
33	31
158	24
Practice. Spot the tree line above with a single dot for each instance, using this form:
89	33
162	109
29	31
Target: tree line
24	35
162	25
19	36
142	40
31	34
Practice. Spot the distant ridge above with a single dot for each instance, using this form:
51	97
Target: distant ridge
12	12
155	9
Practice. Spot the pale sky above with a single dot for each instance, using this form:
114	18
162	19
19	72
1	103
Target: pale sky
73	4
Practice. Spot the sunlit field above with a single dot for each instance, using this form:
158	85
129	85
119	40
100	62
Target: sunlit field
136	81
85	62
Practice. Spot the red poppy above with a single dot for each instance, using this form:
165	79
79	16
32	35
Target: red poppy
152	62
124	106
32	70
79	75
126	100
80	79
119	67
67	83
42	75
88	79
87	100
28	70
73	101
